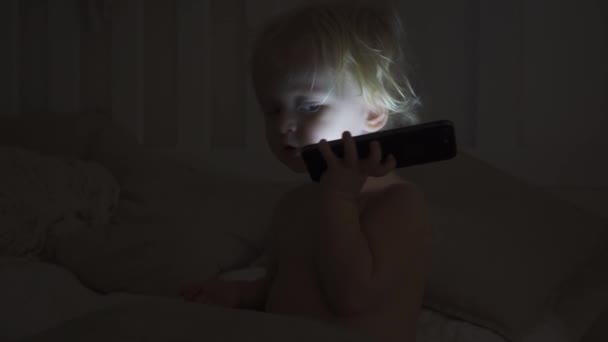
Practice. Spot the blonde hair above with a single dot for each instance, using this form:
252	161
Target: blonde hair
360	41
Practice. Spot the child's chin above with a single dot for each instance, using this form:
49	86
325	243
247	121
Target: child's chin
297	167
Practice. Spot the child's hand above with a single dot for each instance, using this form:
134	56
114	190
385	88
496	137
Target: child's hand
347	176
213	292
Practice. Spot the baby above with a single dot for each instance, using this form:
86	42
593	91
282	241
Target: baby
353	249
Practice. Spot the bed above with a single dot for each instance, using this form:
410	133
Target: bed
512	263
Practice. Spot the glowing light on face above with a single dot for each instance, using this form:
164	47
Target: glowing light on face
304	111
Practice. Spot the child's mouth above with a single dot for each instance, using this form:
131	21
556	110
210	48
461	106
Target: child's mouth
293	151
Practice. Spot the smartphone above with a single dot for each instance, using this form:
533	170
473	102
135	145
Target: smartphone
410	145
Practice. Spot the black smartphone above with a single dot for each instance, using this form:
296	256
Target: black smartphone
410	145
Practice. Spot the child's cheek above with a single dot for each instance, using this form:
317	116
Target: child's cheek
320	127
313	132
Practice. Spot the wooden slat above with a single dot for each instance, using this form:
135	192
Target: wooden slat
566	90
127	56
441	47
227	48
500	74
95	63
9	59
160	63
34	71
258	12
194	83
64	56
449	62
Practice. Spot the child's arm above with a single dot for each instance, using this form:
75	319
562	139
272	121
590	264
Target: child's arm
345	258
365	256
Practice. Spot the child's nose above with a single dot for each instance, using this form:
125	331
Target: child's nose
287	122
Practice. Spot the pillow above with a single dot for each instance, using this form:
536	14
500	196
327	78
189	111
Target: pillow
502	248
157	247
42	195
599	329
585	296
174	223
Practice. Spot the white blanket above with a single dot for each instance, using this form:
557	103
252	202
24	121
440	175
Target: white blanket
43	302
47	303
43	195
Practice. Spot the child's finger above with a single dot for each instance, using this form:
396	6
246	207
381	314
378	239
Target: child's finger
350	149
202	298
375	153
372	163
388	166
327	153
390	163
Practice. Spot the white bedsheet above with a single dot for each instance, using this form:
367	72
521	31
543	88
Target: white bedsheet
435	327
37	296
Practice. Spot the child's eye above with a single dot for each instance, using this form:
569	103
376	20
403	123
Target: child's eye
309	108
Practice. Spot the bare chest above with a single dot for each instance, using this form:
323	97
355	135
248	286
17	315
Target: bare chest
300	226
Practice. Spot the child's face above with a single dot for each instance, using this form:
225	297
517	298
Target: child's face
297	115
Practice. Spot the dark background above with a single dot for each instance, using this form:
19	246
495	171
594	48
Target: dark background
524	81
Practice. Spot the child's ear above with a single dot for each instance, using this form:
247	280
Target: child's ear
375	120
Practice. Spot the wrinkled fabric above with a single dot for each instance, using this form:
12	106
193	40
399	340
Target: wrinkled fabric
43	195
